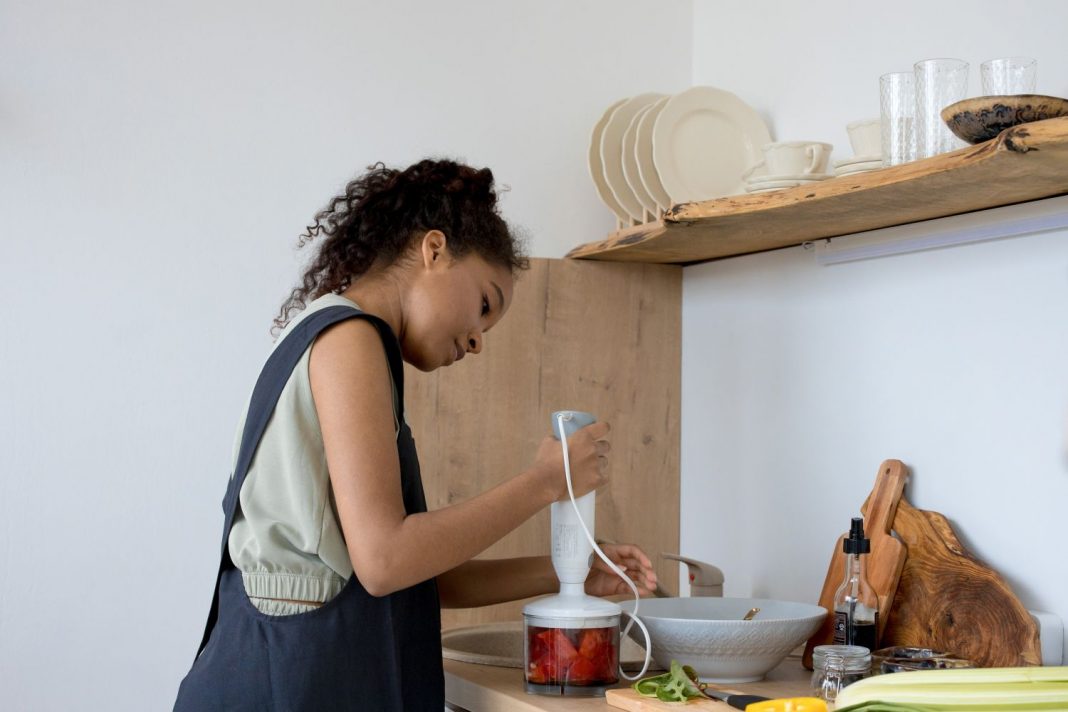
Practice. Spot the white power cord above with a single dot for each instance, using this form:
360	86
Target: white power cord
560	418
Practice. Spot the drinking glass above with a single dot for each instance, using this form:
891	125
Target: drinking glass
939	83
1009	75
897	103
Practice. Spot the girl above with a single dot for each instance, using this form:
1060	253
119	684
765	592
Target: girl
332	572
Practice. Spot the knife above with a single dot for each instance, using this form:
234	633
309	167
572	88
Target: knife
736	701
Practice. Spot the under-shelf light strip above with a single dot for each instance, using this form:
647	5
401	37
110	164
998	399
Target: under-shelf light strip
993	224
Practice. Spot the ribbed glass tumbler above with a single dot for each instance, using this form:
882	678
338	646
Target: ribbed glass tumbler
939	83
897	103
1009	75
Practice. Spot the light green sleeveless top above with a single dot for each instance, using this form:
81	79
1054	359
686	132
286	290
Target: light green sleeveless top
286	539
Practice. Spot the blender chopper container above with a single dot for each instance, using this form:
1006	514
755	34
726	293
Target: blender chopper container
571	639
571	646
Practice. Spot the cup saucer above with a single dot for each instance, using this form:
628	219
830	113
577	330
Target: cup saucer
858	159
807	177
858	168
846	174
777	185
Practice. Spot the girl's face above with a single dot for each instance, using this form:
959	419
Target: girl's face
452	303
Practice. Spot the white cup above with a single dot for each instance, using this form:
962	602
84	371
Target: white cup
865	136
793	158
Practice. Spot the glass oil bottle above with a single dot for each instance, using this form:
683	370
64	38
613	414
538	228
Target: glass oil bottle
856	606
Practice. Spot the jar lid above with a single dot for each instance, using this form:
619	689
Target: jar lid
911	653
904	664
848	658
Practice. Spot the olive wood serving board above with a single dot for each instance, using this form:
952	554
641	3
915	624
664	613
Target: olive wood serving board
949	600
883	565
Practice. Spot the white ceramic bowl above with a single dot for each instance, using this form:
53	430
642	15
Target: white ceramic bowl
710	635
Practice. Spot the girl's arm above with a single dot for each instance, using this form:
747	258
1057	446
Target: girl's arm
482	582
389	549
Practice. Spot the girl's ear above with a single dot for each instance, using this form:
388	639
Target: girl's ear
434	249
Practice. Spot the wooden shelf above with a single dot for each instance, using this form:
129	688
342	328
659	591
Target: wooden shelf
1026	162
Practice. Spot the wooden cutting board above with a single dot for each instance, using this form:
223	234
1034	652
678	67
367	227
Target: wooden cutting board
628	699
949	600
786	680
884	563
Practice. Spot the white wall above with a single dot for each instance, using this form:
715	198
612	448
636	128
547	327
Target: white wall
799	379
157	162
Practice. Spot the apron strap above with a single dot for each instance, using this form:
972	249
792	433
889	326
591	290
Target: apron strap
269	386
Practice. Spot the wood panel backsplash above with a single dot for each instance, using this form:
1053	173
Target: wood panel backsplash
600	337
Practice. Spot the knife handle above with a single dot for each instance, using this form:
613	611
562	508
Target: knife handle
742	701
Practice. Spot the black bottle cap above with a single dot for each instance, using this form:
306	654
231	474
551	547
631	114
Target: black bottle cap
856	543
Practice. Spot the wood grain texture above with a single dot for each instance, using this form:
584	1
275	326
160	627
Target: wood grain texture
1027	162
885	562
628	699
604	338
949	600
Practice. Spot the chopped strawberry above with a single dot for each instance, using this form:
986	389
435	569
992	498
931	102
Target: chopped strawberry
583	672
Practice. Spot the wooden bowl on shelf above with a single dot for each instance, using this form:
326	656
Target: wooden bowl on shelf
984	117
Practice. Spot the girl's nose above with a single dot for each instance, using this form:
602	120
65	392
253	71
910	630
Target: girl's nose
474	343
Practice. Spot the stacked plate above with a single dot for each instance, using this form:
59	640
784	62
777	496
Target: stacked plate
765	184
858	164
652	151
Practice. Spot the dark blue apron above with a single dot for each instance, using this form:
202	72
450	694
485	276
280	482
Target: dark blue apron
356	652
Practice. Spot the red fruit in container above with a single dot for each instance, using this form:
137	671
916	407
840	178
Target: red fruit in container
571	645
572	656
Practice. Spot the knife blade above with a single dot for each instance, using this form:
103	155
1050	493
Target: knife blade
736	701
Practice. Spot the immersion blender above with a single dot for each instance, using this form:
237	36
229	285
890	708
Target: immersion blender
572	639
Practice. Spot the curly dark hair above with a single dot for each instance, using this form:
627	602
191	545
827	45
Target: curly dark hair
379	214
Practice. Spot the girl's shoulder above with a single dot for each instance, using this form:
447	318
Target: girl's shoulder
327	300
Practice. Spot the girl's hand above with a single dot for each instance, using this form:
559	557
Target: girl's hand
602	581
587	453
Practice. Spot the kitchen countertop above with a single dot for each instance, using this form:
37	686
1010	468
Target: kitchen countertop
486	688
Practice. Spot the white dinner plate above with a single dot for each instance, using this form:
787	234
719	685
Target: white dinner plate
800	176
597	168
612	151
644	153
704	140
630	163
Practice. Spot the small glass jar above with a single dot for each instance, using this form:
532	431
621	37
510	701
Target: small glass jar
835	667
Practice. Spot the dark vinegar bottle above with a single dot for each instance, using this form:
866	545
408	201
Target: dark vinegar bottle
856	607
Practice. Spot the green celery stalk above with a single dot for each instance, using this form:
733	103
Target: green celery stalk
1030	688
